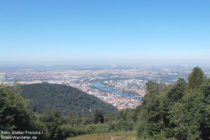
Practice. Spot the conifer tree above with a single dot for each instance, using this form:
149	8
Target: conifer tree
98	117
196	78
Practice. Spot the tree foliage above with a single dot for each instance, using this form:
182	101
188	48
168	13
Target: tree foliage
180	111
14	112
196	78
98	116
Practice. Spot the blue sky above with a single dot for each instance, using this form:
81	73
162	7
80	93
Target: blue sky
104	31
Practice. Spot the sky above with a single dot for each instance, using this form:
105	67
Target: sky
104	31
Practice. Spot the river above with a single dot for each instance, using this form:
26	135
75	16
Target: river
102	87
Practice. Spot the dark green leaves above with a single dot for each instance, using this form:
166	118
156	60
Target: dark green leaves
182	112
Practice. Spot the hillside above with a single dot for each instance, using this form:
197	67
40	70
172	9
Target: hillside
67	99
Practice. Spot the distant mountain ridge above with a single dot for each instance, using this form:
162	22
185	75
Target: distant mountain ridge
68	100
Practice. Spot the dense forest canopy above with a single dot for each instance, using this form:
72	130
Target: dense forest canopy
68	100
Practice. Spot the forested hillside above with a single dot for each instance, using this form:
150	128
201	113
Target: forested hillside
70	101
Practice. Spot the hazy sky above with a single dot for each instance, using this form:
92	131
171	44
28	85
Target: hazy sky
104	31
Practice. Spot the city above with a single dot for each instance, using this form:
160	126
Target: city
123	87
